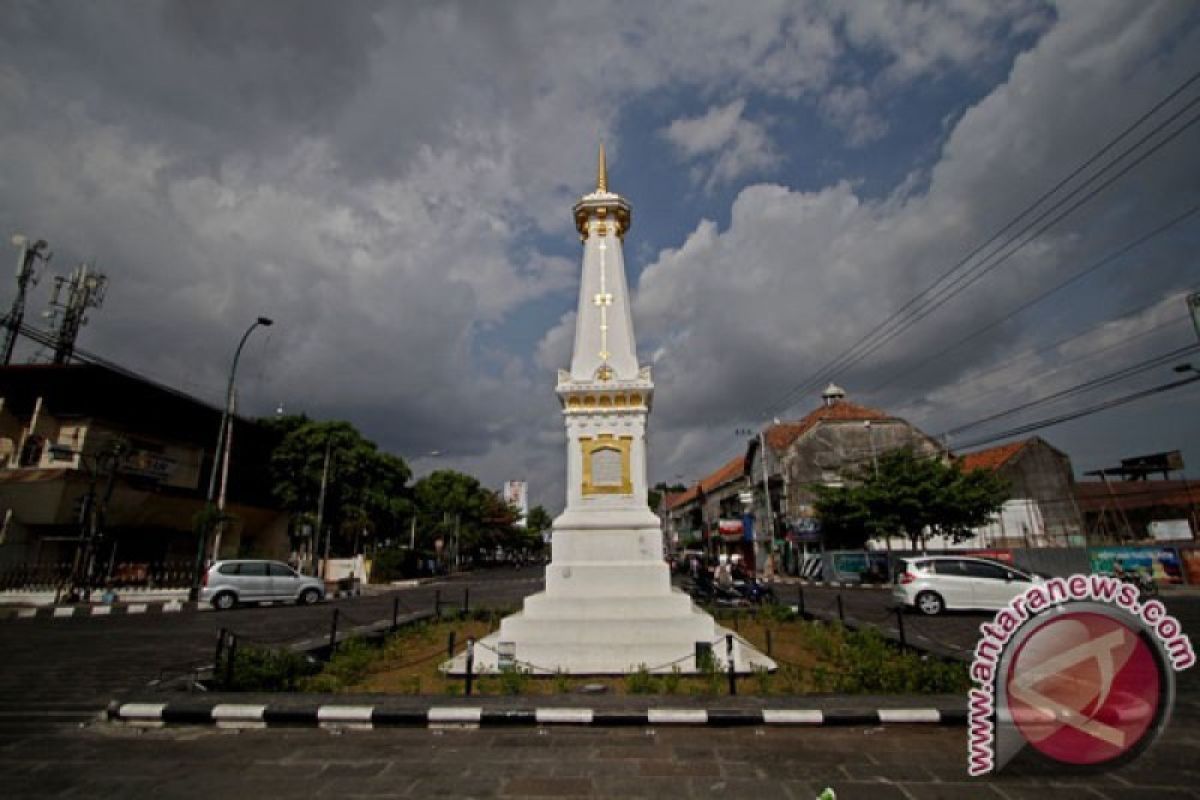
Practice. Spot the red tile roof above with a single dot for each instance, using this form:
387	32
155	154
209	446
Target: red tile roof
991	459
781	435
730	471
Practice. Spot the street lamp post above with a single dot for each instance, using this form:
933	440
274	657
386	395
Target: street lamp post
222	443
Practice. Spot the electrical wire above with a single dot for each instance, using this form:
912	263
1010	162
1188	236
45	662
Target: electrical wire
1110	258
1094	383
852	354
1083	412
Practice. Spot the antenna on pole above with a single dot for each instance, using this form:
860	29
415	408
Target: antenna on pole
26	264
85	289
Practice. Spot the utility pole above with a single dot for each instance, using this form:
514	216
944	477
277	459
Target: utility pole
30	253
85	289
216	551
321	511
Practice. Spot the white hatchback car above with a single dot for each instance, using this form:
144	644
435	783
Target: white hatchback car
933	584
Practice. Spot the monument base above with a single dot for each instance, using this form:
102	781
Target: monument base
609	609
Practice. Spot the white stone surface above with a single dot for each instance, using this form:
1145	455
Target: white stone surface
608	607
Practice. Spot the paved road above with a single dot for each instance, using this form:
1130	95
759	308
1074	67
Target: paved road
58	673
77	665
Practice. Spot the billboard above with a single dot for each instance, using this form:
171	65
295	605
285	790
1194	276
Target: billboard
1160	563
516	494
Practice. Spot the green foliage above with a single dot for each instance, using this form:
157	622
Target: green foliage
562	682
909	494
762	679
512	680
671	681
366	487
454	507
641	681
260	669
863	662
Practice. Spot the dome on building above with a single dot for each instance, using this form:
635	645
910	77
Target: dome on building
833	394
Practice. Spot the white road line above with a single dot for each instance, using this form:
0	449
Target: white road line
136	608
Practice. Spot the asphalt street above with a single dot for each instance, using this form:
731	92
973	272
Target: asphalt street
58	674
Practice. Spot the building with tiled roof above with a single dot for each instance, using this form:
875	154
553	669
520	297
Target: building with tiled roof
1041	509
819	448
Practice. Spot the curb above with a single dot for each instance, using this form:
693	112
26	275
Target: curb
831	584
124	609
238	715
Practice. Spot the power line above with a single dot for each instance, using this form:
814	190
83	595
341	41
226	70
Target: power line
1115	346
856	352
1094	409
966	279
1108	259
1094	383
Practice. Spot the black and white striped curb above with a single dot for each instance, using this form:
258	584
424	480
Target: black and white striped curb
828	584
239	715
116	609
125	608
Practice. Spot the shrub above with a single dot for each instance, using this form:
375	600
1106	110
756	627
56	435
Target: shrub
641	681
512	680
671	681
762	679
260	669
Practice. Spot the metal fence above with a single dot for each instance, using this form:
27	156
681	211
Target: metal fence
134	575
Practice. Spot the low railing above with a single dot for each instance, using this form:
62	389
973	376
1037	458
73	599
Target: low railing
124	575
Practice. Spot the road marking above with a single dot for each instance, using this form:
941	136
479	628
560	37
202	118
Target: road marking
64	612
100	611
26	613
172	607
141	713
136	608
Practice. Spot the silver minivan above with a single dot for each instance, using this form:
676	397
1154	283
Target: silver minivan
228	583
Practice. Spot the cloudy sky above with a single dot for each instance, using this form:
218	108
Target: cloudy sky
392	183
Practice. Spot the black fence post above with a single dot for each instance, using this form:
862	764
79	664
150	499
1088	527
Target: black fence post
729	659
437	603
230	660
470	662
220	648
450	645
395	613
333	632
841	609
466	606
768	641
900	627
800	600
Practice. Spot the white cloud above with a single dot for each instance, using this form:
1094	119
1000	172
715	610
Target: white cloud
737	146
849	109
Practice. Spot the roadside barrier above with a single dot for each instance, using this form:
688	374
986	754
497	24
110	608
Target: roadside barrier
236	715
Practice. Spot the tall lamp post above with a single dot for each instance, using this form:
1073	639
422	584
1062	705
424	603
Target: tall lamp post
218	457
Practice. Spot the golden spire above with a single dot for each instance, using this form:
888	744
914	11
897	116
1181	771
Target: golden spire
602	173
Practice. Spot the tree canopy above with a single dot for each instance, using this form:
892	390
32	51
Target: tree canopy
366	489
909	494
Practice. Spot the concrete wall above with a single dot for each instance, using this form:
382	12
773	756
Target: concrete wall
1043	474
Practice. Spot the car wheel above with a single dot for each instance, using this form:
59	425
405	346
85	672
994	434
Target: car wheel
930	603
224	601
309	596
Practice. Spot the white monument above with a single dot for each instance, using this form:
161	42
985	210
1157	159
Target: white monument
608	606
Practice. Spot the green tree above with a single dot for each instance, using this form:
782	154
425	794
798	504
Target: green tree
367	488
909	494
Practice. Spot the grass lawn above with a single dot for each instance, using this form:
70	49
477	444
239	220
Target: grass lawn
813	657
